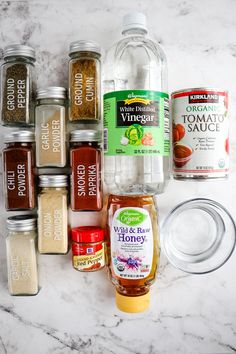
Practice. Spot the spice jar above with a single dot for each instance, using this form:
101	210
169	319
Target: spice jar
18	157
85	160
84	82
52	215
21	255
50	125
88	248
18	85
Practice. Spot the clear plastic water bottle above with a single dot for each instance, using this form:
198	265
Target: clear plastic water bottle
136	112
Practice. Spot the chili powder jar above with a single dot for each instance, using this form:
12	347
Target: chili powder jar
18	85
84	82
85	160
88	248
18	157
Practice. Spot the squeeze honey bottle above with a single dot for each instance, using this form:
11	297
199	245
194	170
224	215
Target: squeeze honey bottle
132	249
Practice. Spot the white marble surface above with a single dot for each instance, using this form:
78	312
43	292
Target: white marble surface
75	312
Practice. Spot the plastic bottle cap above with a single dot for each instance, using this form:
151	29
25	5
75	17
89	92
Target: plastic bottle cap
132	304
134	20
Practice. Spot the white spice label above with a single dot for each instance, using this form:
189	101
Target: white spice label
50	137
52	223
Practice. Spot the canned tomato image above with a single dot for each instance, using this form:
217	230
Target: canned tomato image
200	133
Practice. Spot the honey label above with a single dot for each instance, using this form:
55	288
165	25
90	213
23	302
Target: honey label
136	123
88	257
132	243
200	133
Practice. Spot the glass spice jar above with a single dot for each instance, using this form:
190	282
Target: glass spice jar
85	160
50	125
53	215
84	82
18	86
18	157
21	255
88	248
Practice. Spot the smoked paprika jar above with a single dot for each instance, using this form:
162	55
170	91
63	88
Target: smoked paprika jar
18	157
85	161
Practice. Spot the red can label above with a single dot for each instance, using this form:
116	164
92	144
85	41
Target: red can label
200	133
88	257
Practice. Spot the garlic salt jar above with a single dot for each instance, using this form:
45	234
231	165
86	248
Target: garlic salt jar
21	255
53	215
50	125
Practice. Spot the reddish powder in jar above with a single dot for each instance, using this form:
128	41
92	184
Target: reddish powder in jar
85	158
19	172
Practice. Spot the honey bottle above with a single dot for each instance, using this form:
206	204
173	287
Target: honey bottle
132	249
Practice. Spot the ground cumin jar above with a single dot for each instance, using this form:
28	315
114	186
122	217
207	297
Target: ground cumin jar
88	248
200	133
84	82
18	157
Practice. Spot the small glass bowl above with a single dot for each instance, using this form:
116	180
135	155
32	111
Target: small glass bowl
198	236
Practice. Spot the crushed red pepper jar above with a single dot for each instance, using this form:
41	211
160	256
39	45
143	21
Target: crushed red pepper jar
18	157
88	248
85	160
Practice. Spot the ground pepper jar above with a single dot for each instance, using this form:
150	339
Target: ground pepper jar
53	215
50	125
21	255
18	86
85	160
84	82
18	157
88	248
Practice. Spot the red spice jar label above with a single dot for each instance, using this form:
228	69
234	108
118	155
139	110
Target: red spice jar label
86	179
200	133
88	257
19	179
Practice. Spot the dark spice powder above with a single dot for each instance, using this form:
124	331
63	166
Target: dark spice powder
19	176
16	95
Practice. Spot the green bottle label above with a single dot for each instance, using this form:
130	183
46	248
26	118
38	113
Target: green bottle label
136	123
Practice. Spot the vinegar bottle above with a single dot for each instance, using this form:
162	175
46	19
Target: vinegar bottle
132	249
136	112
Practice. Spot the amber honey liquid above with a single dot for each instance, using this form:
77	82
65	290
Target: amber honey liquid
132	243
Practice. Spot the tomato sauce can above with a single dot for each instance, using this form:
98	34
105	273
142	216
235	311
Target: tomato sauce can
200	133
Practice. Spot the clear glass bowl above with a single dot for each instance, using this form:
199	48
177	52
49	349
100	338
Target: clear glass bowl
198	236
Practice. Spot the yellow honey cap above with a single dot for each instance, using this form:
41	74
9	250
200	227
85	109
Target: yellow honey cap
132	304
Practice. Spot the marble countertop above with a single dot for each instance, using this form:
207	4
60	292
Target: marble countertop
75	312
